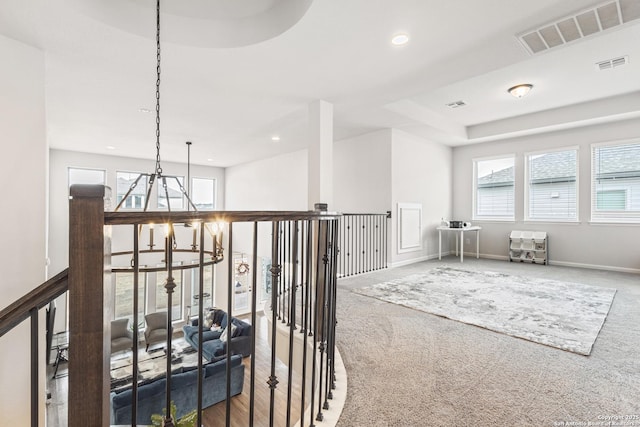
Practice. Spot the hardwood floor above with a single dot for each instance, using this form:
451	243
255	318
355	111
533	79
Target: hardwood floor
239	414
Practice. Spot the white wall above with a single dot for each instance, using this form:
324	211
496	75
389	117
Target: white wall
59	163
372	173
579	244
23	169
422	174
362	173
278	183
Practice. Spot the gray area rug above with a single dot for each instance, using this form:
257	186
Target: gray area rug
559	314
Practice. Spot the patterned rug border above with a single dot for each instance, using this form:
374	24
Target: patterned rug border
540	324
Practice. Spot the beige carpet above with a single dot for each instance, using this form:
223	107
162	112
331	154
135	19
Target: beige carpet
409	368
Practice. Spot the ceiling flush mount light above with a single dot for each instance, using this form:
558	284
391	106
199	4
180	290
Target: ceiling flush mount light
400	39
110	147
144	110
275	138
520	90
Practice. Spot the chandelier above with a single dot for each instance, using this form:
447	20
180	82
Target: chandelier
149	261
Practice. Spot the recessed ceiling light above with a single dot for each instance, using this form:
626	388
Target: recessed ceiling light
144	110
400	39
275	138
209	160
520	90
456	104
110	147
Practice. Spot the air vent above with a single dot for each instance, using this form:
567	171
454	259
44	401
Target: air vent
612	63
579	25
456	104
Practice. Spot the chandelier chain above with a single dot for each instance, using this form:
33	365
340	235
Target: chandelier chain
158	167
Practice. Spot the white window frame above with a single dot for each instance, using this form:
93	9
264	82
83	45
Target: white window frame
612	216
527	179
215	190
146	187
171	180
474	178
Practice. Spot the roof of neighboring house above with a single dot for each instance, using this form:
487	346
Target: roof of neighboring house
124	184
560	165
625	161
557	166
497	178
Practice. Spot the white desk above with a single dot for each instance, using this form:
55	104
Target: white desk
461	231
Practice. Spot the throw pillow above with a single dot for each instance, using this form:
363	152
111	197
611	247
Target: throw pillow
208	320
224	335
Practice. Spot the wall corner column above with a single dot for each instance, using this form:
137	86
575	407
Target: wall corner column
320	159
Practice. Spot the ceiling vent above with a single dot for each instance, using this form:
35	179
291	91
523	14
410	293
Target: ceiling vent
456	104
582	24
612	63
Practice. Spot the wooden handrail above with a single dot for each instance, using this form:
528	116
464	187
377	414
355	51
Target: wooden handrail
39	297
120	218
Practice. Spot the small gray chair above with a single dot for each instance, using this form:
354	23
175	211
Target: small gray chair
156	330
121	335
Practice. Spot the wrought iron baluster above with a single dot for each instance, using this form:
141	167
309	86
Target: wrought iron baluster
169	286
275	274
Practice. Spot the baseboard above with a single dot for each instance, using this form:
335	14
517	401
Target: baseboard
414	260
595	266
506	258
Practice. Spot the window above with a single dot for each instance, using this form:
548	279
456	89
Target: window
551	192
86	176
207	289
124	296
175	185
615	186
176	298
203	193
494	189
137	197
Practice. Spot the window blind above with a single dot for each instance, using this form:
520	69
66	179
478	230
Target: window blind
552	186
494	189
615	182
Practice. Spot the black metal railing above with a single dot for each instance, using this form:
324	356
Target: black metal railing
307	250
302	304
363	243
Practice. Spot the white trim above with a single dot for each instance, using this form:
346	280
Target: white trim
621	217
597	267
415	244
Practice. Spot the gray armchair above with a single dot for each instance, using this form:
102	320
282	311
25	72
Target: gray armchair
156	330
121	335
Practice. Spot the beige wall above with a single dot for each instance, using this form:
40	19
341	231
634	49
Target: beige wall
577	244
421	174
23	171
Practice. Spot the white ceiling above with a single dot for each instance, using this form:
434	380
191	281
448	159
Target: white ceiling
236	72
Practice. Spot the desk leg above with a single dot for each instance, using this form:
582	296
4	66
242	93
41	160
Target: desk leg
478	244
439	245
461	245
456	239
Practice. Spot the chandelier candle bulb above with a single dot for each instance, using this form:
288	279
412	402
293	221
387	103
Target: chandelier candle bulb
151	236
195	232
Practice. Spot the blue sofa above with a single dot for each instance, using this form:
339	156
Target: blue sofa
213	347
184	392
